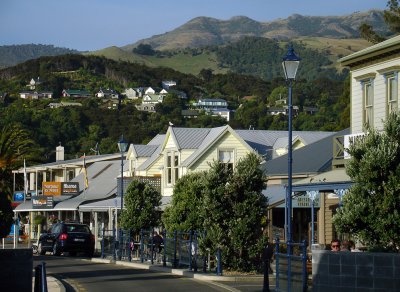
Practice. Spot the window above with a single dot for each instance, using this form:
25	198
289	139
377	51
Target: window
392	94
172	167
368	96
226	157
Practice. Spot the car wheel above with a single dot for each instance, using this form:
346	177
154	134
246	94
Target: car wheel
56	250
40	249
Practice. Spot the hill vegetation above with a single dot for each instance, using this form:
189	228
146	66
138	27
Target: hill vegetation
11	55
80	128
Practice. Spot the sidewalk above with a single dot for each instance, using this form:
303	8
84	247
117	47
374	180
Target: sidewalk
53	285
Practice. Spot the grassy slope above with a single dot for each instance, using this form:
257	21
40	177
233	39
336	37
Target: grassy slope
181	62
186	63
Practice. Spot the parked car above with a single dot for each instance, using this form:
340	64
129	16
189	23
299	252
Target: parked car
67	237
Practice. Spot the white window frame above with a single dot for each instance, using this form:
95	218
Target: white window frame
368	102
171	167
225	158
392	93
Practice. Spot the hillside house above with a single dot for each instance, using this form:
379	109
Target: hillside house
36	94
167	84
131	93
63	104
107	93
34	83
76	93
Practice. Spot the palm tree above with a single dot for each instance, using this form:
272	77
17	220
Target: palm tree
15	145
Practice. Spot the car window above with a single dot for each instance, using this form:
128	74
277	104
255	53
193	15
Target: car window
56	228
78	228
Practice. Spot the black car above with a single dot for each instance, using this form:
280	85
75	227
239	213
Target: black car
67	237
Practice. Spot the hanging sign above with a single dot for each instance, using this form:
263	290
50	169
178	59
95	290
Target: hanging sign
51	188
70	188
42	202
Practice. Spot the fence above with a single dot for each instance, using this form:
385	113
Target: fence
176	249
291	266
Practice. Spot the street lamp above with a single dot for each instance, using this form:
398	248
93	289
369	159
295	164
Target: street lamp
122	145
312	196
290	64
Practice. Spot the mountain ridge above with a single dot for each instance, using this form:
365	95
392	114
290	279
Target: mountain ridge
205	31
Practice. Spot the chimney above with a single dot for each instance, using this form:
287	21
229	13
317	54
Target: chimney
60	153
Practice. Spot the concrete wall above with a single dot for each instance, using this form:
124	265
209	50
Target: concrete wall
355	271
16	269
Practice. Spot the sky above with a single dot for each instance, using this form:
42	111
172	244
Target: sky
88	25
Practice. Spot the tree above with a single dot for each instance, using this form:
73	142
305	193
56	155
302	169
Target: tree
144	49
141	202
370	209
233	212
392	19
15	144
6	215
183	213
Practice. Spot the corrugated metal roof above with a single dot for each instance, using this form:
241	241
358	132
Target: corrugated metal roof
320	152
264	140
102	184
150	160
157	140
189	138
208	140
71	162
144	150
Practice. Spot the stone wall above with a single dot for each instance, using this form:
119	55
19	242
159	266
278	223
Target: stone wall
16	269
355	271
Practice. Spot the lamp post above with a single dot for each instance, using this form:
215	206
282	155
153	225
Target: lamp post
290	65
122	144
312	195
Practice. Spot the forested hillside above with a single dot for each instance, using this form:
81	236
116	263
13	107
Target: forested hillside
80	128
11	55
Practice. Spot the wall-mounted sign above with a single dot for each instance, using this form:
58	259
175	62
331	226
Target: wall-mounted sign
303	201
51	188
42	202
70	188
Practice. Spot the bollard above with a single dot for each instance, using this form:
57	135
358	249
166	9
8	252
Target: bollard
165	248
141	246
304	258
129	245
195	252
114	242
219	263
204	255
44	278
175	263
102	244
267	255
277	264
152	246
190	250
120	244
38	278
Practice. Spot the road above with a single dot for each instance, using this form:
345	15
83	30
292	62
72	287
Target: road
82	275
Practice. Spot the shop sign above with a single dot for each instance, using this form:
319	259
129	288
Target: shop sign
51	188
42	202
70	188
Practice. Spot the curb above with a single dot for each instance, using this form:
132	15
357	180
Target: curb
179	272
